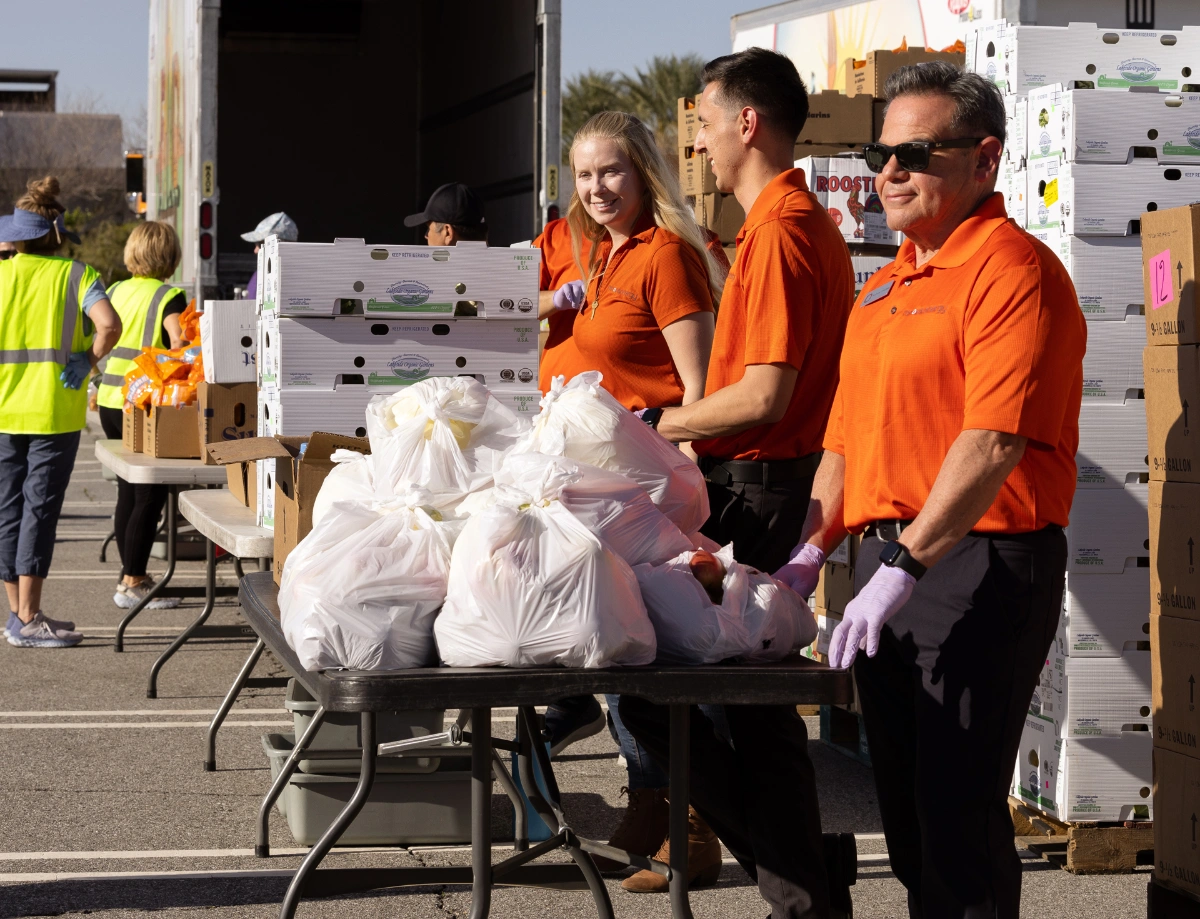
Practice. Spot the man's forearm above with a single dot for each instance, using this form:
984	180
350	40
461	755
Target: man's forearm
825	523
760	397
972	473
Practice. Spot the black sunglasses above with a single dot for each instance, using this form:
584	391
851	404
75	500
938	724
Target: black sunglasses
7	254
912	156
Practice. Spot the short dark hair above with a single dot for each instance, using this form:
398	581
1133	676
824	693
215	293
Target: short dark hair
764	80
477	233
978	104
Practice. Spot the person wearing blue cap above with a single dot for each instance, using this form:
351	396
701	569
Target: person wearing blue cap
277	224
56	324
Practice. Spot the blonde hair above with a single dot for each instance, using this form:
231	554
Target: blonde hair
41	198
152	250
662	196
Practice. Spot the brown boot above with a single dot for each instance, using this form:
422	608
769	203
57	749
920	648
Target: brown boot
704	860
643	826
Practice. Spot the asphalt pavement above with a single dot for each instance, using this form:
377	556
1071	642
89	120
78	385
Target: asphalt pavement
104	807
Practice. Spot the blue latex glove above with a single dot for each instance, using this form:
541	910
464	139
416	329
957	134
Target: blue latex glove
802	570
569	296
77	370
878	602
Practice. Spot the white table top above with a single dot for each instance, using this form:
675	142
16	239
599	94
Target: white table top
219	516
141	469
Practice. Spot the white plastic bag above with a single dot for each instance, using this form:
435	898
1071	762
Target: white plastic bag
610	505
351	479
582	420
531	586
361	590
447	433
758	618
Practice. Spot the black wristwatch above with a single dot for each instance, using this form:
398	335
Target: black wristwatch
652	416
895	555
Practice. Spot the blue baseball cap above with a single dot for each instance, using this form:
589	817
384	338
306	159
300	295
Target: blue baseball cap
22	225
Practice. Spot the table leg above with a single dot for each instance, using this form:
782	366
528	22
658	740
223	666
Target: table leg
521	819
481	812
172	508
210	753
678	826
262	841
210	600
362	791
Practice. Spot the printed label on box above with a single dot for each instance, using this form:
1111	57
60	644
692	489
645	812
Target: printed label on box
1162	290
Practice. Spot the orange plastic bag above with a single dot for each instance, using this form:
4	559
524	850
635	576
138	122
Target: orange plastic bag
189	322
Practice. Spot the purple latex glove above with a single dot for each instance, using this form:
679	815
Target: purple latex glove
802	570
569	296
878	602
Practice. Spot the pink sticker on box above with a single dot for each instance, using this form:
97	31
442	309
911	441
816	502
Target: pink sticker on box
1162	289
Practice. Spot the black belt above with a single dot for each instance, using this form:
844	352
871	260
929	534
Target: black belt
886	529
759	472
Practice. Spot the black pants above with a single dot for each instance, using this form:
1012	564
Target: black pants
944	701
760	794
139	509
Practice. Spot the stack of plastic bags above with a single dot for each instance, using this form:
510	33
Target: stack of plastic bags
561	543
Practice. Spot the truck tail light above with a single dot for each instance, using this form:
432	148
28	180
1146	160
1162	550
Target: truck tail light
206	245
206	215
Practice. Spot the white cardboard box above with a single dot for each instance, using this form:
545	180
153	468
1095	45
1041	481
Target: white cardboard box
390	353
1112	364
1109	531
1112	449
1098	57
985	49
1083	126
865	266
348	277
1089	199
1106	272
1013	184
846	189
1016	111
1104	617
1085	778
229	341
1101	696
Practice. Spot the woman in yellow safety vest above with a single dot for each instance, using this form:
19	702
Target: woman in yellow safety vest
55	324
149	308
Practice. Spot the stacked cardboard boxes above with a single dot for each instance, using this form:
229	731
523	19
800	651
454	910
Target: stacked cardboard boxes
1079	168
1170	252
339	323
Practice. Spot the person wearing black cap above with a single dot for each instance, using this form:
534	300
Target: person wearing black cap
453	213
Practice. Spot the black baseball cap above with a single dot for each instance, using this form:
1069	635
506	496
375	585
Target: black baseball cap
452	203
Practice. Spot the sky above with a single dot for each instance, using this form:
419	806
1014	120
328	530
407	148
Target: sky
99	46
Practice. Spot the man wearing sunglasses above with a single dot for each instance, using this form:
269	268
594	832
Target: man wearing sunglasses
7	250
951	448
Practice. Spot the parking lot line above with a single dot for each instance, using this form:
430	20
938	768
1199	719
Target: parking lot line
119	725
136	712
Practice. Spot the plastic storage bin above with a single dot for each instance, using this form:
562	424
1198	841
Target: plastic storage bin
340	731
402	810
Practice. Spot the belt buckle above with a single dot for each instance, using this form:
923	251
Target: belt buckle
719	475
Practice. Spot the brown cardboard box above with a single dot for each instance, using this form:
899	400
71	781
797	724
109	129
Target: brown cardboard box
1170	242
240	459
686	120
871	76
720	213
171	432
132	424
242	479
1172	404
1176	813
835	118
879	107
835	586
228	411
695	173
802	150
1175	549
1174	665
296	485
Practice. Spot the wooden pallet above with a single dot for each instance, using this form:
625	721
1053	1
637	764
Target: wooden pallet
1083	848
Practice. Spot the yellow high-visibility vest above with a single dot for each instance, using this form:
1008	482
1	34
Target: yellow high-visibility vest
41	326
140	303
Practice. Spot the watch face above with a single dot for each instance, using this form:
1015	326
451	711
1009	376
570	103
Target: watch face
891	551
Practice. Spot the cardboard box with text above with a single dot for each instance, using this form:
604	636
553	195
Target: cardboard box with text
133	423
1174	511
835	118
227	411
1172	404
1170	243
695	173
1177	808
870	76
1176	665
171	432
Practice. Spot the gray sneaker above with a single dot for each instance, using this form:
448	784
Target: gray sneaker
41	634
128	597
14	624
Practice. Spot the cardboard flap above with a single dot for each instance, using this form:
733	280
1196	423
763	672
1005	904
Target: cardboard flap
321	446
248	448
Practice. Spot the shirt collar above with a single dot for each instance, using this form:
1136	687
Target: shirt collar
788	181
966	239
643	230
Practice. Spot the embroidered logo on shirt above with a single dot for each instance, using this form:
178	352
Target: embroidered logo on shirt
625	294
878	293
923	310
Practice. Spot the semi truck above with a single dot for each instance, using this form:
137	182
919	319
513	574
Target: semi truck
346	114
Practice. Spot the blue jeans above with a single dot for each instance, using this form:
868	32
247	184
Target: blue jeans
643	771
34	472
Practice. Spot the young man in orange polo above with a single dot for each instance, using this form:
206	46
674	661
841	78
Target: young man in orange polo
758	431
951	448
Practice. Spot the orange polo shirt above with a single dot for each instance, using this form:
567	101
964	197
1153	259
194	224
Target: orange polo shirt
652	280
987	335
785	302
558	267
